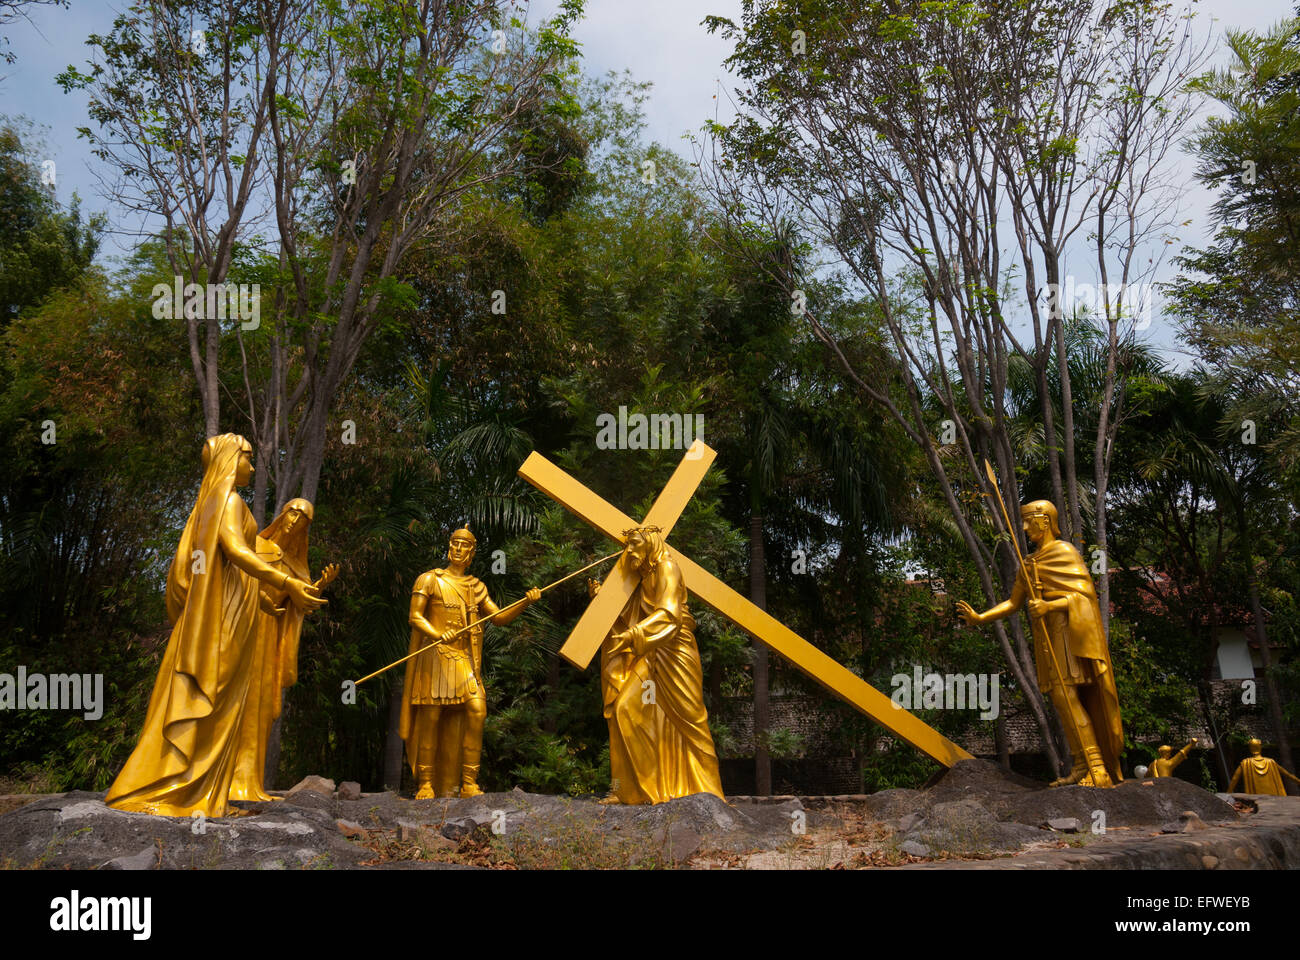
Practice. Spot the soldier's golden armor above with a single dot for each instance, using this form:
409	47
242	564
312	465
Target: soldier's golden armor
444	704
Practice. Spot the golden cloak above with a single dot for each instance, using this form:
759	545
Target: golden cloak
275	655
1078	641
1259	775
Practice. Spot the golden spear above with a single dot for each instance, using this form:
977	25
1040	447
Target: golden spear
467	626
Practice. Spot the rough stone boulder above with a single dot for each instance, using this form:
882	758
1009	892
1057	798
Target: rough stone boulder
316	828
976	808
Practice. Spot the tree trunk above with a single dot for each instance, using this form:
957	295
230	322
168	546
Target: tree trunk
1101	482
394	747
549	721
1220	748
313	452
1000	741
261	478
714	684
1270	682
758	594
1070	509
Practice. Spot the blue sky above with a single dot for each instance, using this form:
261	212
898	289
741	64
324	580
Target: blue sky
662	42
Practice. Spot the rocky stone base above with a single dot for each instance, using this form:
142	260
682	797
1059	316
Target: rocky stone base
316	827
977	809
974	815
1267	839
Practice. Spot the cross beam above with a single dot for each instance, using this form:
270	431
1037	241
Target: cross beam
599	617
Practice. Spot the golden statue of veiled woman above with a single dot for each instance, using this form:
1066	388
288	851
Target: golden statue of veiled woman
1070	650
652	684
283	545
185	758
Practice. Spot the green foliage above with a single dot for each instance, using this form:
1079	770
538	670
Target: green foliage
1156	696
783	744
556	768
1238	300
42	247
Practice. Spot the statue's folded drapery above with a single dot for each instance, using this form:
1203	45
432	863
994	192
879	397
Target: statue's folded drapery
185	758
1260	775
283	545
652	683
1079	644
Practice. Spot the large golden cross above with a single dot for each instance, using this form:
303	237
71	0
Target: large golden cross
596	622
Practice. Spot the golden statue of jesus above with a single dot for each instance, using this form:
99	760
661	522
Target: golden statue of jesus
652	685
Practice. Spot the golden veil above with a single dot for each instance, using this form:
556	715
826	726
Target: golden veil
184	758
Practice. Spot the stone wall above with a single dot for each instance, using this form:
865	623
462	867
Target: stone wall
823	766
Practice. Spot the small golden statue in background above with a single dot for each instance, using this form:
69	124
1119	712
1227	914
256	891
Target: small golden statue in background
443	703
1261	774
1166	760
186	756
1070	650
283	545
652	683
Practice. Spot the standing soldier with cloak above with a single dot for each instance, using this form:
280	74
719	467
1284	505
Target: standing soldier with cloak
1261	774
1070	650
444	705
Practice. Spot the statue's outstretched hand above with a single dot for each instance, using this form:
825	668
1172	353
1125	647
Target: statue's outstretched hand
967	613
534	594
327	576
304	596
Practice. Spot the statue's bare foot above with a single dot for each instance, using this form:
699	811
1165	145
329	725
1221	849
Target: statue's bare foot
610	797
425	792
470	790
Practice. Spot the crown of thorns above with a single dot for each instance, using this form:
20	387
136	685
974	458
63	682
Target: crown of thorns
640	531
